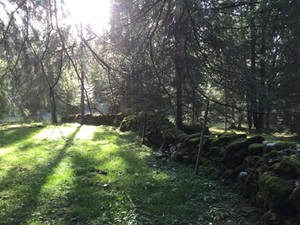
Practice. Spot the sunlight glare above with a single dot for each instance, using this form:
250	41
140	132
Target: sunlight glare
95	13
55	132
4	151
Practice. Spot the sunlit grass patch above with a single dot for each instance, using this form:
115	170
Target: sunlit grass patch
73	174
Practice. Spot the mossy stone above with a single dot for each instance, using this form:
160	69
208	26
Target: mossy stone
284	145
271	218
251	161
225	138
275	191
256	149
295	199
271	157
288	166
255	139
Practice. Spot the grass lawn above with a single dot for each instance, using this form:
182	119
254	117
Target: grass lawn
74	174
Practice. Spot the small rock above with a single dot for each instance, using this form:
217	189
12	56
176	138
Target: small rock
243	174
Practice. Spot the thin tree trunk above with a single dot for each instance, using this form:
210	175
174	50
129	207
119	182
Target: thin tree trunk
226	109
254	110
233	126
52	106
194	107
82	110
201	139
261	100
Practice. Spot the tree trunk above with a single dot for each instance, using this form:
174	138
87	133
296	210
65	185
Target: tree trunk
179	59
52	106
253	79
226	109
240	120
233	126
261	99
82	109
194	107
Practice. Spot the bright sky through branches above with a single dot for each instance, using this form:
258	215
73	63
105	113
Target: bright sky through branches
95	13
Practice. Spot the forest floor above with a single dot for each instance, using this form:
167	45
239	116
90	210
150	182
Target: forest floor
72	174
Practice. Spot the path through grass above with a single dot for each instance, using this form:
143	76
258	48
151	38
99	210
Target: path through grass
75	174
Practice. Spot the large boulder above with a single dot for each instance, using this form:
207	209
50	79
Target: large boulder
255	140
129	123
225	138
271	218
194	128
271	157
288	166
274	192
284	145
235	152
295	199
256	149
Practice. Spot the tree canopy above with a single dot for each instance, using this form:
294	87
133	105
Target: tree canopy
170	56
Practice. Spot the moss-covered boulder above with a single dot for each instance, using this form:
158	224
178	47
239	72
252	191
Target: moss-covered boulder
249	185
215	153
194	128
255	140
288	166
235	152
256	149
271	218
129	123
225	138
284	145
274	192
251	162
271	157
295	199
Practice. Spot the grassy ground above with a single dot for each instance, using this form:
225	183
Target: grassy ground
75	174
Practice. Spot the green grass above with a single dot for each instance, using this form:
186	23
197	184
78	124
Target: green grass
53	175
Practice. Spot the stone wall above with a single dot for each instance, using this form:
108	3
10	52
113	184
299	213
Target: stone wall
105	119
266	173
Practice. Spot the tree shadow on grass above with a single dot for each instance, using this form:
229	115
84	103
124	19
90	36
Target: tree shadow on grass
158	193
27	186
13	135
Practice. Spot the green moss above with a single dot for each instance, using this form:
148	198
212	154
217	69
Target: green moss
275	191
255	139
225	138
267	157
256	149
295	199
194	128
288	166
284	145
271	218
251	161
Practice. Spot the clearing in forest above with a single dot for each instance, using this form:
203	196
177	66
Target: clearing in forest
74	174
